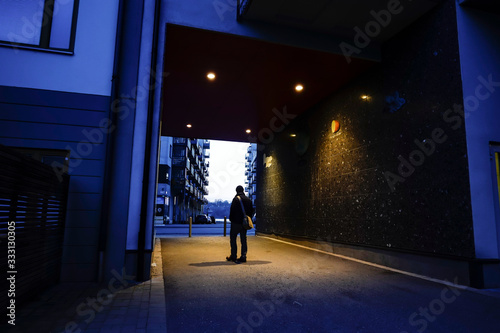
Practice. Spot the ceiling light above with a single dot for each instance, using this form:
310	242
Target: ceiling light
189	125
365	97
293	135
211	76
248	131
299	87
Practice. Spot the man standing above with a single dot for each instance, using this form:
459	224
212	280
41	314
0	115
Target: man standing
236	216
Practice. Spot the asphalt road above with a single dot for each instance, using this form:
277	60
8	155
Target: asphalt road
284	288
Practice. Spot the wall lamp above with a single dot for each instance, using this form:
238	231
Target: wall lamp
335	126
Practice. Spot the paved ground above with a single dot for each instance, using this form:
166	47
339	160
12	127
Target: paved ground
284	288
87	307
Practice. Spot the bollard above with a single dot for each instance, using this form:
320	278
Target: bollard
190	226
225	223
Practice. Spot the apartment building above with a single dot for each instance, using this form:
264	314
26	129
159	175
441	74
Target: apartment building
251	172
189	178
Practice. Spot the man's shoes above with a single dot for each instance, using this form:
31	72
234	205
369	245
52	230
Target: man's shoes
242	259
231	258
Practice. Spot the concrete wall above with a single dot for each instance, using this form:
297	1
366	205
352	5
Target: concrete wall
358	186
479	55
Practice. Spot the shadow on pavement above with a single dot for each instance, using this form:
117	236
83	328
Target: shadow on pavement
226	263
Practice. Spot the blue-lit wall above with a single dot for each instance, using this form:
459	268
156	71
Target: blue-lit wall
58	101
479	43
88	71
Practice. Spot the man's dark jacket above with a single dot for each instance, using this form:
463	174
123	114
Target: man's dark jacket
235	213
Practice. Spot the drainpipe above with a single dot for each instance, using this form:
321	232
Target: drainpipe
141	264
103	234
113	235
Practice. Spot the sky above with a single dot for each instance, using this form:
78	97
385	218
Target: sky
226	170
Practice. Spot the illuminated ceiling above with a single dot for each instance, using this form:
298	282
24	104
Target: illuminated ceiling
252	78
255	77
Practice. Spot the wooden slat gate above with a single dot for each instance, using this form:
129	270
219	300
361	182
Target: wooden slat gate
33	200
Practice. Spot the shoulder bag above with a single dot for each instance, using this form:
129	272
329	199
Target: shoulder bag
247	220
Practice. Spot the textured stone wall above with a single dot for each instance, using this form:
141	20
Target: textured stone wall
359	186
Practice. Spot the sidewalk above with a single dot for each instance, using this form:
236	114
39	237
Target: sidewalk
84	307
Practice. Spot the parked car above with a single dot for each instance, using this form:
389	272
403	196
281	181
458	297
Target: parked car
202	218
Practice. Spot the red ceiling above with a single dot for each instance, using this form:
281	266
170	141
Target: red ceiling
253	77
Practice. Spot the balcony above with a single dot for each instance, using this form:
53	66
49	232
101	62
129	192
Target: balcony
191	156
178	162
179	141
194	143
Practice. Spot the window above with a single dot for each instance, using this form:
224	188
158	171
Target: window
38	24
495	154
180	151
164	174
